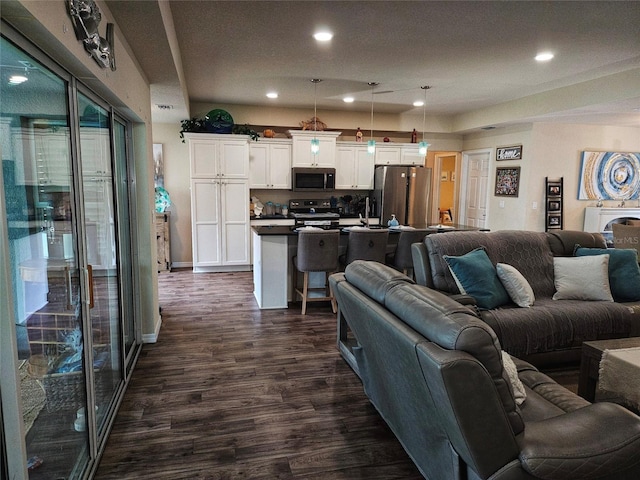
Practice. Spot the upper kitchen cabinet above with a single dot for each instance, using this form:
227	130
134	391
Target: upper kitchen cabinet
354	166
398	154
270	164
302	155
215	155
411	156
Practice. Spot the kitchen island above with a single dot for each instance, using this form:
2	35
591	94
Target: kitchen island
273	248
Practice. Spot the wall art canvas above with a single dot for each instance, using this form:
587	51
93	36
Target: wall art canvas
507	181
609	176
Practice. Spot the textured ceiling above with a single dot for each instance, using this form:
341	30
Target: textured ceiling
477	56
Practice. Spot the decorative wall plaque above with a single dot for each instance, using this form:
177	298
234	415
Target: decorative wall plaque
86	17
509	153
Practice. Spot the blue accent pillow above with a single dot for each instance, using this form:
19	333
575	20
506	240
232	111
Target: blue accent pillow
624	272
476	276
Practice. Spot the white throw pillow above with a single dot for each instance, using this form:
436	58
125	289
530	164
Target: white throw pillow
516	285
519	393
582	278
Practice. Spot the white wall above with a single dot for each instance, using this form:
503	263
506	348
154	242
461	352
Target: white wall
549	150
557	150
176	181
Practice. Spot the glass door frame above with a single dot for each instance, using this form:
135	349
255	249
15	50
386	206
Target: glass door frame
12	433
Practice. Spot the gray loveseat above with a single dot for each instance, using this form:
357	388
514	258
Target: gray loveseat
551	331
435	373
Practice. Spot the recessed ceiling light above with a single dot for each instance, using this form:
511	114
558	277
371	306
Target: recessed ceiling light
323	36
272	95
348	99
544	56
17	79
418	103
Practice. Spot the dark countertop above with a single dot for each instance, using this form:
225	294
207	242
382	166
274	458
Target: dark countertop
290	230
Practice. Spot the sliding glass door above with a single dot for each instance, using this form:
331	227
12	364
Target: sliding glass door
65	194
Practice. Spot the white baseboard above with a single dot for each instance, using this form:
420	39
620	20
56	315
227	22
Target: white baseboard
153	337
181	265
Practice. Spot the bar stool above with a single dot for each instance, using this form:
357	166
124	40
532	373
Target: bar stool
401	258
317	252
366	244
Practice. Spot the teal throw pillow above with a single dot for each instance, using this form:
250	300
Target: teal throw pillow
476	276
624	272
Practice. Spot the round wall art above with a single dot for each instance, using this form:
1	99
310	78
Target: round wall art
609	176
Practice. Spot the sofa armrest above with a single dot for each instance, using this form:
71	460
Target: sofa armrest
601	440
463	299
421	268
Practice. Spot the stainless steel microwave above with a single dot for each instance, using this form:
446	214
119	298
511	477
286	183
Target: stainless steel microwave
313	179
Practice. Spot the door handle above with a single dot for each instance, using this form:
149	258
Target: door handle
89	281
67	280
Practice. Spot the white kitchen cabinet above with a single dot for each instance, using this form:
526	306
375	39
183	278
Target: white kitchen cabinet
411	156
399	154
387	154
270	164
219	202
354	167
301	151
213	155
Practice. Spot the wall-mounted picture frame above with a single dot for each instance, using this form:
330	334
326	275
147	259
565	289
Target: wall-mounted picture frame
554	220
507	181
512	152
554	190
554	205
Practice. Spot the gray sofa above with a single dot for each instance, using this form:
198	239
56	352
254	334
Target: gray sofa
551	331
435	373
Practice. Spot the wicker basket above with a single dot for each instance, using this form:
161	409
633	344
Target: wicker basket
68	390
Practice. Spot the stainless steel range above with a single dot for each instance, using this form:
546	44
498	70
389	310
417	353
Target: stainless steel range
317	213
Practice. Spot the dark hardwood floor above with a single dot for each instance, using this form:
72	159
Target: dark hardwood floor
233	392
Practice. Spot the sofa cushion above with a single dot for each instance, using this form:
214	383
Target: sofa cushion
552	325
516	285
528	252
624	272
475	275
582	278
563	242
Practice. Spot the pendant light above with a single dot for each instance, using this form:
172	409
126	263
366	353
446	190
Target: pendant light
371	144
423	145
315	143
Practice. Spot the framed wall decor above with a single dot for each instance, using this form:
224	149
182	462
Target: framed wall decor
609	176
513	152
554	208
507	181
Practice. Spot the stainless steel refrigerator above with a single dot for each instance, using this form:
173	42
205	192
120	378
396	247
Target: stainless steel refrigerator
404	192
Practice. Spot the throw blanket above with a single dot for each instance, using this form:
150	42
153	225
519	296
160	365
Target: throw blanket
620	373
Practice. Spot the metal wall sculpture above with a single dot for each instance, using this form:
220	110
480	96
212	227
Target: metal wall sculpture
86	17
609	176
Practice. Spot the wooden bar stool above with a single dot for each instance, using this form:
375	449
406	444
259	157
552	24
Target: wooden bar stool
317	252
366	244
401	259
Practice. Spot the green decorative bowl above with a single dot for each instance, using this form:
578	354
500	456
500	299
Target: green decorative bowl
218	121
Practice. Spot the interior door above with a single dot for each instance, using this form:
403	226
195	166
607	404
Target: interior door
476	172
